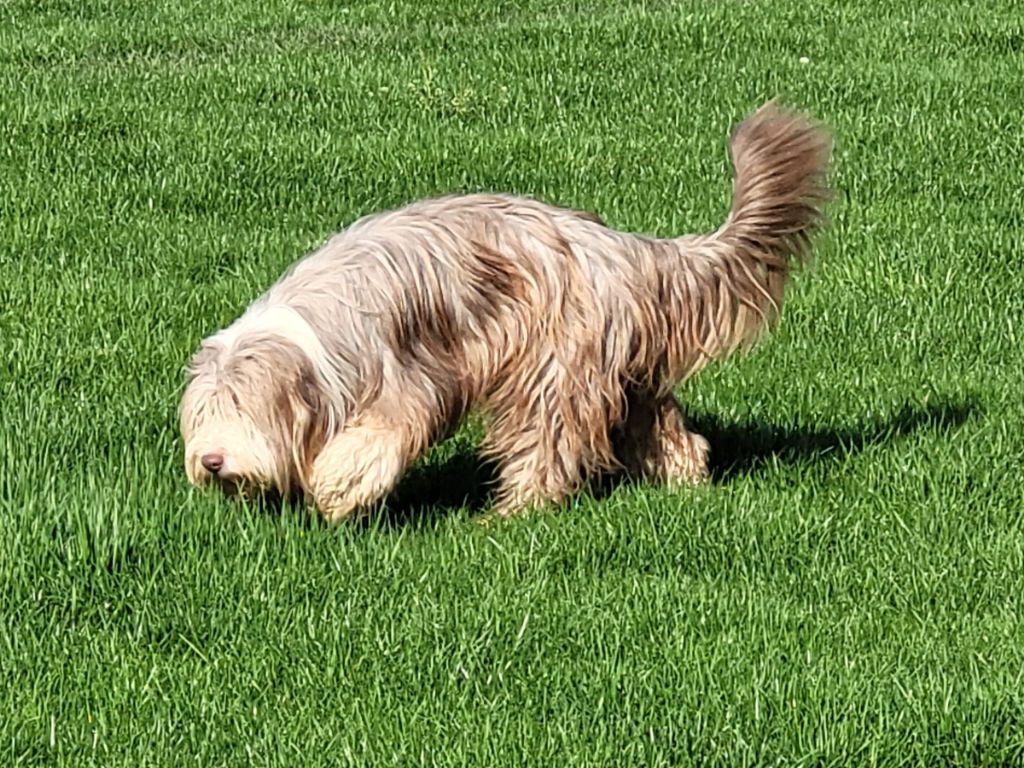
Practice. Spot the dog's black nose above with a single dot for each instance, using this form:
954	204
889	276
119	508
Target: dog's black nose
213	462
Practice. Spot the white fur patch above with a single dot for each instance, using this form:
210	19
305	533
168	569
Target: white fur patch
285	321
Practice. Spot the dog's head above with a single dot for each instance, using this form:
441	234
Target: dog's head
253	415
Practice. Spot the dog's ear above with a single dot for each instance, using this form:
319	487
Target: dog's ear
309	392
310	423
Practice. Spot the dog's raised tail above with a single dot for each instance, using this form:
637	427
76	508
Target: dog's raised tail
780	162
780	188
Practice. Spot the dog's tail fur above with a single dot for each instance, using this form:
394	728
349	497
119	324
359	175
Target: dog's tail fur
780	162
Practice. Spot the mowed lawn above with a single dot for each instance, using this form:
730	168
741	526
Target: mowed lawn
848	590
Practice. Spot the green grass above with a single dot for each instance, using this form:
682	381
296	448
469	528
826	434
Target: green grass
847	591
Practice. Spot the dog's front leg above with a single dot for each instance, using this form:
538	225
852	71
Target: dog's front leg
359	466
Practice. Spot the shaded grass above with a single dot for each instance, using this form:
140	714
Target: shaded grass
848	589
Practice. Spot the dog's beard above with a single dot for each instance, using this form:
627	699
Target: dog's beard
249	491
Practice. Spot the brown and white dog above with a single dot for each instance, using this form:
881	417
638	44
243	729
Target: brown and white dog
567	335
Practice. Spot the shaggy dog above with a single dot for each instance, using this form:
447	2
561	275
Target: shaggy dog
569	336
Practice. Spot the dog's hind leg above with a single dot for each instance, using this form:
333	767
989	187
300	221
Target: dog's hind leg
653	443
360	465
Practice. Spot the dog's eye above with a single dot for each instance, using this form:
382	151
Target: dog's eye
235	400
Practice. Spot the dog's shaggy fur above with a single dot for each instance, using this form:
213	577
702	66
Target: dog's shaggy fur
568	335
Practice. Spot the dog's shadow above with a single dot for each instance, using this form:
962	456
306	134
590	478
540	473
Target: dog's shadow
433	489
463	481
749	446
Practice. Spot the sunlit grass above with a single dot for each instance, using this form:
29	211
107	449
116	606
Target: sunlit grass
848	589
